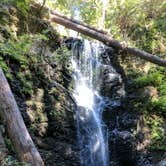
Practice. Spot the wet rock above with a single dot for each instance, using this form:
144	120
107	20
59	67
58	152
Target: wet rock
122	149
162	162
62	154
143	160
124	135
111	85
127	121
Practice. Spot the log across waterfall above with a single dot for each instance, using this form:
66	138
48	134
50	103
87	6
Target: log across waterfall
101	36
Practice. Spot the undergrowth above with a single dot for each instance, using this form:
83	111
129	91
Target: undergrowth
154	108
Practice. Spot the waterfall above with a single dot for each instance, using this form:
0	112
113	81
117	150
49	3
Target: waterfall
91	131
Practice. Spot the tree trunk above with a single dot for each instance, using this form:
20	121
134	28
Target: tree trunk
101	36
80	23
21	140
3	149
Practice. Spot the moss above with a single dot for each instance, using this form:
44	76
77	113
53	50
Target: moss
5	68
27	58
158	132
5	16
154	79
62	56
154	113
36	107
9	144
153	108
36	113
26	83
159	105
3	64
17	49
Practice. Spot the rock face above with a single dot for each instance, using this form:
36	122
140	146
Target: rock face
112	85
121	144
128	134
41	90
162	162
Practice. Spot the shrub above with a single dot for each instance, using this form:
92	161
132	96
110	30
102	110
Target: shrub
160	105
154	79
158	132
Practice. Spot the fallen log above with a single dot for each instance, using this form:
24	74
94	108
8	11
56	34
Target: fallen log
78	22
17	131
98	35
3	149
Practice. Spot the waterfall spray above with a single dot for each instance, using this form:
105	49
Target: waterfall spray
92	133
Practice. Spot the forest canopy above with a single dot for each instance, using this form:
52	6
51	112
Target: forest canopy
140	23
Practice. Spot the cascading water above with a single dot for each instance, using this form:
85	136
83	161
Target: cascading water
92	133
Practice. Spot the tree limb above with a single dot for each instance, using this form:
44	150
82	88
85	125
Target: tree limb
101	36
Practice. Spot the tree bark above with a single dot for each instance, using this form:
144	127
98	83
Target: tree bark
78	22
21	140
3	149
101	36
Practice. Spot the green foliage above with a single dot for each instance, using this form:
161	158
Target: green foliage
14	51
17	49
22	5
139	23
158	132
67	7
9	144
4	16
26	83
162	89
159	105
91	12
3	65
154	118
148	106
62	56
154	79
5	68
153	108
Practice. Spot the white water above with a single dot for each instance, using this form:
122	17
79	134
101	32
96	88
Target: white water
92	135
